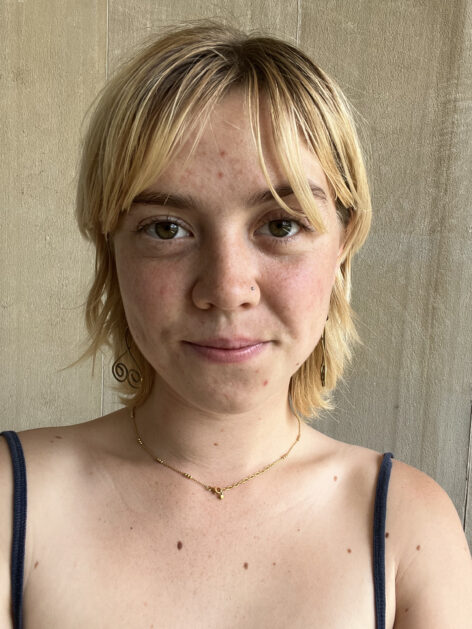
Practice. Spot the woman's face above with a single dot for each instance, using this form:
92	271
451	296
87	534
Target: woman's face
186	268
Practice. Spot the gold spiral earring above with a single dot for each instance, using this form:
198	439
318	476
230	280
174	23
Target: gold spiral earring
121	372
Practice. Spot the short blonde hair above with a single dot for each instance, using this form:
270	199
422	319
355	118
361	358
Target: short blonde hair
168	88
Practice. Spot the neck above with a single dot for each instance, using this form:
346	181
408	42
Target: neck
217	446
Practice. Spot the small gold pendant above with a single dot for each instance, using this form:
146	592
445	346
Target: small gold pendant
218	492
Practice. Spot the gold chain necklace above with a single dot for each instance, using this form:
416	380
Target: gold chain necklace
217	491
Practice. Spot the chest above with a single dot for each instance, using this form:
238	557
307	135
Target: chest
306	566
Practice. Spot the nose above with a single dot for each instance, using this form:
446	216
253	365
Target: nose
227	276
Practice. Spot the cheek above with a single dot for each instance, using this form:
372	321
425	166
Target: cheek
313	295
146	293
303	295
308	284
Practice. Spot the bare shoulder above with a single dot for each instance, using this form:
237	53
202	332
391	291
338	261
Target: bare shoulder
59	461
76	446
434	568
426	545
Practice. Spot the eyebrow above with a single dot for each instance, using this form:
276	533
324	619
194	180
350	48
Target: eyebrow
187	202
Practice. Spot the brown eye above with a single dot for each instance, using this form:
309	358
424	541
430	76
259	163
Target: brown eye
161	230
280	227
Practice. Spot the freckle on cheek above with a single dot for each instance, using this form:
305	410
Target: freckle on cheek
222	153
220	175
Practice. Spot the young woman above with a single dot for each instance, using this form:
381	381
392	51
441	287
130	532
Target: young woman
223	187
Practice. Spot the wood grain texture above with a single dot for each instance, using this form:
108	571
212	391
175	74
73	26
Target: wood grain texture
52	63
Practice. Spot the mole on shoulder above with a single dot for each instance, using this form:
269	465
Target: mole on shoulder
406	609
386	534
335	478
130	528
418	547
349	550
36	564
273	563
246	565
215	444
179	545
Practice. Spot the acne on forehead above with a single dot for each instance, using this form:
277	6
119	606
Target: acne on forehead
230	155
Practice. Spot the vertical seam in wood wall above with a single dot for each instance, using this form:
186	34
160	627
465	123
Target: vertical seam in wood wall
468	469
298	21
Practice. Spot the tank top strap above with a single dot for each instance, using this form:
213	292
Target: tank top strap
380	513
19	525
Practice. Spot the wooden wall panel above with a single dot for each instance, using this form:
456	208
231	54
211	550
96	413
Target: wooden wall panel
52	62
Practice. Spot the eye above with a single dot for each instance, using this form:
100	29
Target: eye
162	230
281	226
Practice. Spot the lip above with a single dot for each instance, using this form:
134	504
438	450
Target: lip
225	355
228	343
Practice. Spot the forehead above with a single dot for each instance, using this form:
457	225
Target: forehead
224	151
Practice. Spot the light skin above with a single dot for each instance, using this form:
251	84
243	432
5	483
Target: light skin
197	285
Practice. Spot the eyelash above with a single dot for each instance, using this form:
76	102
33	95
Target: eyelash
272	218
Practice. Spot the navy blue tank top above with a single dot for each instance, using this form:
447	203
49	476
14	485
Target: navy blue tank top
19	531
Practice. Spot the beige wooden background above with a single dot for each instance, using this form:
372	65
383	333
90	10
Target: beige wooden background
405	65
